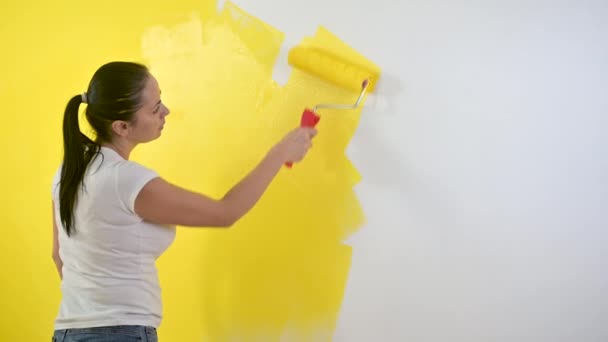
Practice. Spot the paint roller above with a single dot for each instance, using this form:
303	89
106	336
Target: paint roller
335	69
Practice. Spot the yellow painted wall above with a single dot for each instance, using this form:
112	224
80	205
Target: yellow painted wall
282	270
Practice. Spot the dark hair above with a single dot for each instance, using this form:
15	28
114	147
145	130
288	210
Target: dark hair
114	93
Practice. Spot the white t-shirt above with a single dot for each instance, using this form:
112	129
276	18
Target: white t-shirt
109	270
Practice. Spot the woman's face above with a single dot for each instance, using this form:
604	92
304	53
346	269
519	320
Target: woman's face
149	120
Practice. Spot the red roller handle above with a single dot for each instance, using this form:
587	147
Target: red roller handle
308	119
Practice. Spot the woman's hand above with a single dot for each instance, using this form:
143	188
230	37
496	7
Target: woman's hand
294	146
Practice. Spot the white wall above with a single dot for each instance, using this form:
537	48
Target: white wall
485	175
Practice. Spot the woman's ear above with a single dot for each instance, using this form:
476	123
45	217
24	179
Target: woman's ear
120	128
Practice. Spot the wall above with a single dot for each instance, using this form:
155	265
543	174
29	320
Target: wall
280	272
483	167
483	177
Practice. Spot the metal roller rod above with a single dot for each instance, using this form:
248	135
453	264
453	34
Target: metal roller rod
344	106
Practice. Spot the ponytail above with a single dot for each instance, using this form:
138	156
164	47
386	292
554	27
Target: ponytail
78	151
114	93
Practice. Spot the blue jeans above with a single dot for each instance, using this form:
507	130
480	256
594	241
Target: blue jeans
118	333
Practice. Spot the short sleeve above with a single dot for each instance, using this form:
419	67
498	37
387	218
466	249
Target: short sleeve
131	177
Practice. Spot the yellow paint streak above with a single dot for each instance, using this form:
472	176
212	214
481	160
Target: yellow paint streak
280	273
282	270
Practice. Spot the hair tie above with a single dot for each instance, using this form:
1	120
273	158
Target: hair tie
83	97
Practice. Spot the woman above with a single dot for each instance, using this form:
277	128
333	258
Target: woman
112	218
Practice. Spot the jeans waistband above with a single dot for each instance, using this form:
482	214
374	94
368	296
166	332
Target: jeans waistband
116	329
